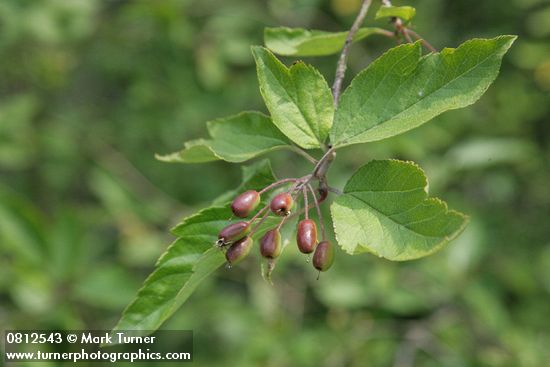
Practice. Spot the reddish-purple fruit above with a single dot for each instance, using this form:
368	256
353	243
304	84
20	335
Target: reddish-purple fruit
323	256
306	236
233	232
281	204
245	203
270	245
239	250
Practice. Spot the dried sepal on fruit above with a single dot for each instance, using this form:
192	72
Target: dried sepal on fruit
281	204
233	232
238	251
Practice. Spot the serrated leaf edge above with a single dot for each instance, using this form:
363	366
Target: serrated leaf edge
437	247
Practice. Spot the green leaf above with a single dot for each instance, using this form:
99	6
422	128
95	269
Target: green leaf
194	151
302	42
188	260
185	264
298	98
404	12
385	210
402	90
236	138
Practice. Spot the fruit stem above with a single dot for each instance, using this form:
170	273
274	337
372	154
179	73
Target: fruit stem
281	223
311	206
258	224
319	214
258	213
304	190
277	183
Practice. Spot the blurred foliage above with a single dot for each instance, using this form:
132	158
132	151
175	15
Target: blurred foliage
90	90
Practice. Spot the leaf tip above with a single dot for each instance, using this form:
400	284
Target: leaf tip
258	51
509	40
168	158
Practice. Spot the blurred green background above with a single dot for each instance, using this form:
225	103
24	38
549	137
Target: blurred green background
90	90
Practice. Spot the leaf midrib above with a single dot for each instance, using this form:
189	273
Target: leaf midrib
287	72
353	120
397	223
263	137
420	100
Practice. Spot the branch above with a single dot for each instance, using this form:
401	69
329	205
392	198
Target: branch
400	28
341	66
319	213
424	42
264	217
322	165
406	34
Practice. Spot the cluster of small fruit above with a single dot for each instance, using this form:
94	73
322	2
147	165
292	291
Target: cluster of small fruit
237	237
